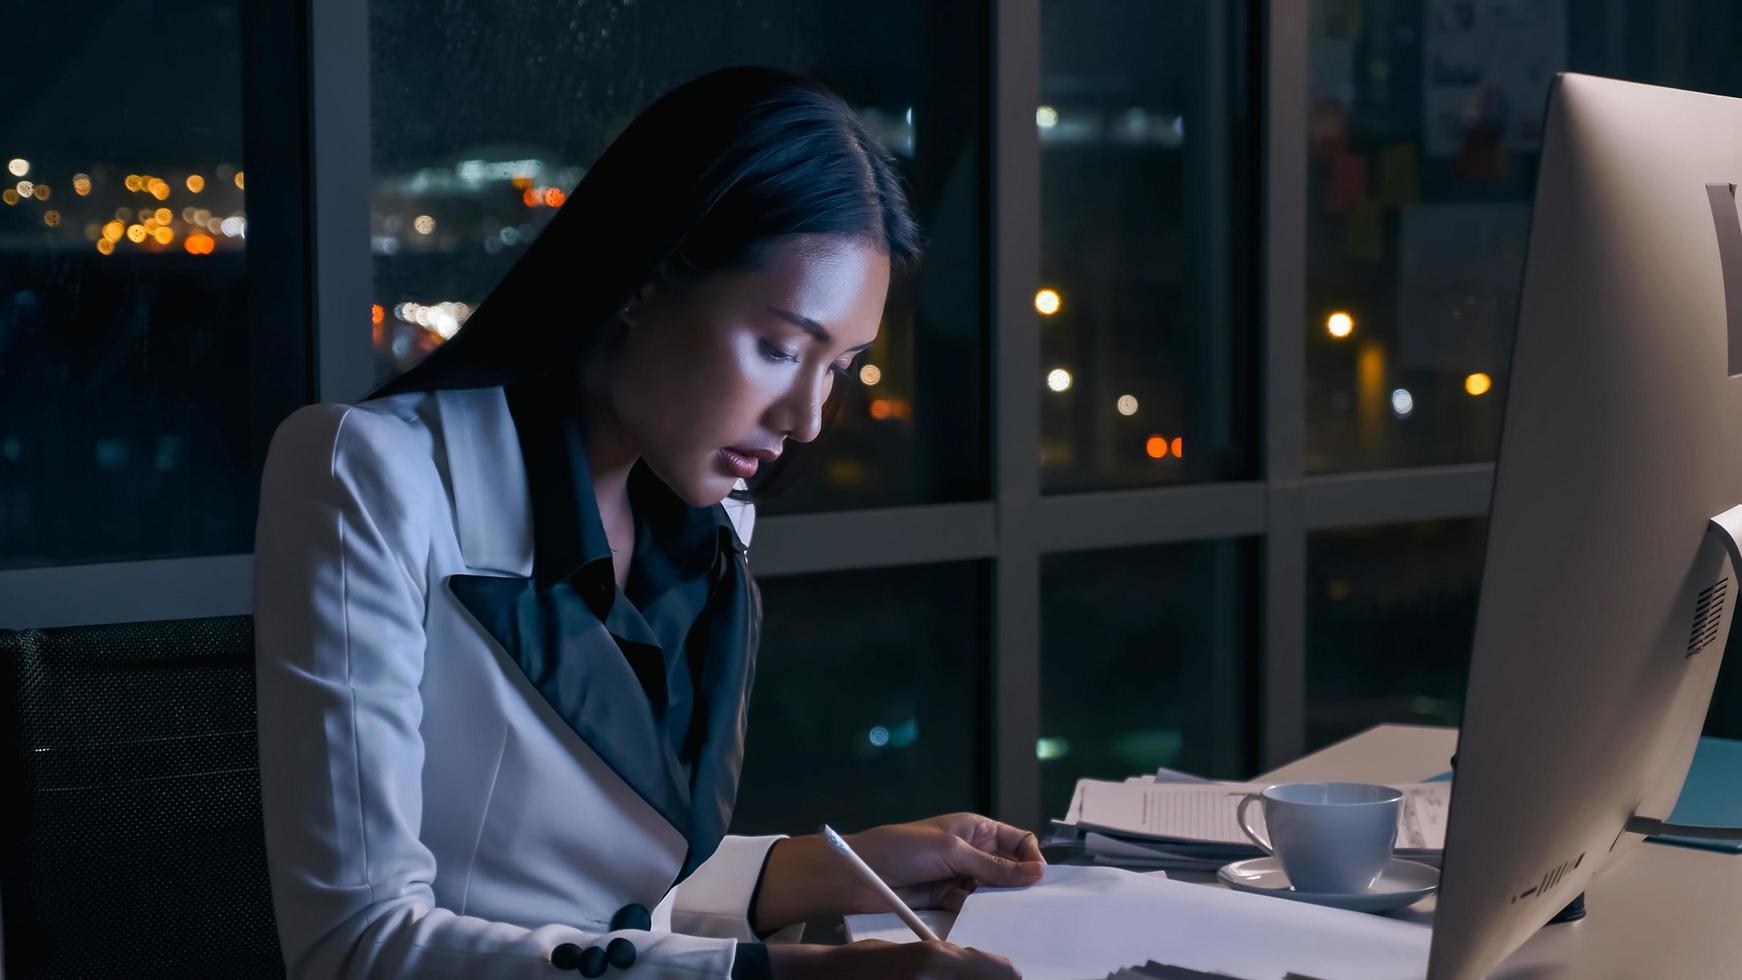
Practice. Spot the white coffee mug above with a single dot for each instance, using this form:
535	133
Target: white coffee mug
1332	838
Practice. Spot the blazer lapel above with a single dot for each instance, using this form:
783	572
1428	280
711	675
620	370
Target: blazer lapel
728	645
566	652
575	665
492	507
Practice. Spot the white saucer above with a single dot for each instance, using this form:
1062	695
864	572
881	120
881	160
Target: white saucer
1401	884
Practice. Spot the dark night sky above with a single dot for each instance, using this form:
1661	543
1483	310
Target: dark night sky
143	84
135	84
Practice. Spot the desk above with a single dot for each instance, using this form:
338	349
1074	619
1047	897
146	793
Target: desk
1659	913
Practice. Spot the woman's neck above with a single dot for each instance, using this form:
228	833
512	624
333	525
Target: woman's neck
610	457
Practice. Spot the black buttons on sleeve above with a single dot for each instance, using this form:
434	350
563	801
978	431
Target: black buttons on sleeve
632	916
566	957
620	953
593	961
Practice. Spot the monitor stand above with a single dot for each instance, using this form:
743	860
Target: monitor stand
1727	528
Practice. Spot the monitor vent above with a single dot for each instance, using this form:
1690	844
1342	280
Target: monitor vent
1708	615
1550	878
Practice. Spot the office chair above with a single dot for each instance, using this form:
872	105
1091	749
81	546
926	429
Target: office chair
132	787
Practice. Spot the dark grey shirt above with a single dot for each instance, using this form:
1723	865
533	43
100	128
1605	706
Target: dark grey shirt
677	552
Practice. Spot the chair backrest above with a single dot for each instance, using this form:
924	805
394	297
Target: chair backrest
132	790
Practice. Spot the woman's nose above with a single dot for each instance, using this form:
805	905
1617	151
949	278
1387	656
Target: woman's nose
803	410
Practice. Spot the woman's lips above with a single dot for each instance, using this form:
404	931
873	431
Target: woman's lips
739	465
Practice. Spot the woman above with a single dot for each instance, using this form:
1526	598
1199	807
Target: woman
506	627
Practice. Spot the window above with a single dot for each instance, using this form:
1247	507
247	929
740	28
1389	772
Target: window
1391	618
879	723
1146	660
1422	147
1147	267
1270	251
140	374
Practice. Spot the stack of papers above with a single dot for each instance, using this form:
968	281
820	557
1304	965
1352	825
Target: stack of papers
1180	822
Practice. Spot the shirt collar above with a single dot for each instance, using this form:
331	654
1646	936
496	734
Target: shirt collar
568	535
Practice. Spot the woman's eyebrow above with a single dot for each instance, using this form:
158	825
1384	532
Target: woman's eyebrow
817	331
804	323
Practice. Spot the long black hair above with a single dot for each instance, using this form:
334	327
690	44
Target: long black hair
707	179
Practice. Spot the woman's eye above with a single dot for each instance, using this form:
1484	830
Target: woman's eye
774	353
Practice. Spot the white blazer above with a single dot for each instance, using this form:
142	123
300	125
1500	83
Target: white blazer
427	813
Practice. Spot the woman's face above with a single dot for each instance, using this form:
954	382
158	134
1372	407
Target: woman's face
712	378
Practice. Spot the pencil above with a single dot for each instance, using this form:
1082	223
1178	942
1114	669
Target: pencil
894	901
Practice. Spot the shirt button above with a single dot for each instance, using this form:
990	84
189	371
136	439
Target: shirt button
592	963
620	953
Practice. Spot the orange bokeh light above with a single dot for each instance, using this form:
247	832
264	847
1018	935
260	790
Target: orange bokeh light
530	197
199	244
554	197
1177	443
880	408
377	313
1156	447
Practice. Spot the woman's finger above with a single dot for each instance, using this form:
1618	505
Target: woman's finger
992	869
1017	843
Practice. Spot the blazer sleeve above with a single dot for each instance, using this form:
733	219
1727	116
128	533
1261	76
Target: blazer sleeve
341	553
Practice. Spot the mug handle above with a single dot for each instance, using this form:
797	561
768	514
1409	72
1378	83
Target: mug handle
1240	816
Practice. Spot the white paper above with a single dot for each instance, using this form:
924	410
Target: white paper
888	926
1208	813
1080	922
1427	809
1165	775
1074	812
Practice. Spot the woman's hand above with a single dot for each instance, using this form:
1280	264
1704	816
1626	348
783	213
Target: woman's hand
874	960
931	864
936	863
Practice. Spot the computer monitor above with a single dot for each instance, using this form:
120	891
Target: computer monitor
1607	590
